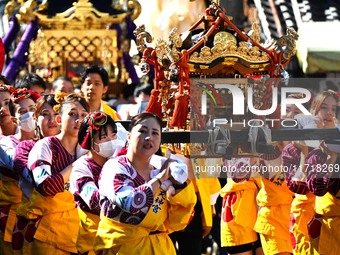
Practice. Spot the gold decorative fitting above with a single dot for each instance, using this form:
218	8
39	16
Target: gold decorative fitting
81	16
142	35
223	38
10	7
288	42
208	55
219	51
26	12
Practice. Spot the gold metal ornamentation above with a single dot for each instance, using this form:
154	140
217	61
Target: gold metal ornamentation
223	38
162	49
207	55
288	43
255	32
142	36
81	16
10	7
26	12
175	42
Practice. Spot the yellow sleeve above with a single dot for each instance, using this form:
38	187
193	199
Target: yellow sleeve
215	189
208	190
181	207
109	111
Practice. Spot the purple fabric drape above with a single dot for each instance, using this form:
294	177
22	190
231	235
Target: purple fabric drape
126	56
130	27
19	57
12	33
130	67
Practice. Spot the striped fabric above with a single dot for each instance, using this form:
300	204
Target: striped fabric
291	156
21	155
20	167
49	151
321	179
127	197
273	156
84	171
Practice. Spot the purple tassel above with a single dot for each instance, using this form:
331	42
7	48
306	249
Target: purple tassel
11	34
19	58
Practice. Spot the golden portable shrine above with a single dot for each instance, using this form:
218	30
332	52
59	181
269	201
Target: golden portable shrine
189	64
220	50
65	37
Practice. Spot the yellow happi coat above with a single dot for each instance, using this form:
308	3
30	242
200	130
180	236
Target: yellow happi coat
327	209
26	247
87	231
166	215
10	195
59	221
207	186
302	212
274	200
239	211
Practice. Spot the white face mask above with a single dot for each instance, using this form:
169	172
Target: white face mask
27	123
107	149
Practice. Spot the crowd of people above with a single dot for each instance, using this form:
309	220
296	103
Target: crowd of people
73	181
59	193
293	208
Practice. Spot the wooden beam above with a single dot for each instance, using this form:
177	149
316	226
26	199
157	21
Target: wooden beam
241	136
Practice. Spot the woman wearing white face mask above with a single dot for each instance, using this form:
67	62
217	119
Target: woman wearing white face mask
10	194
24	105
98	134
